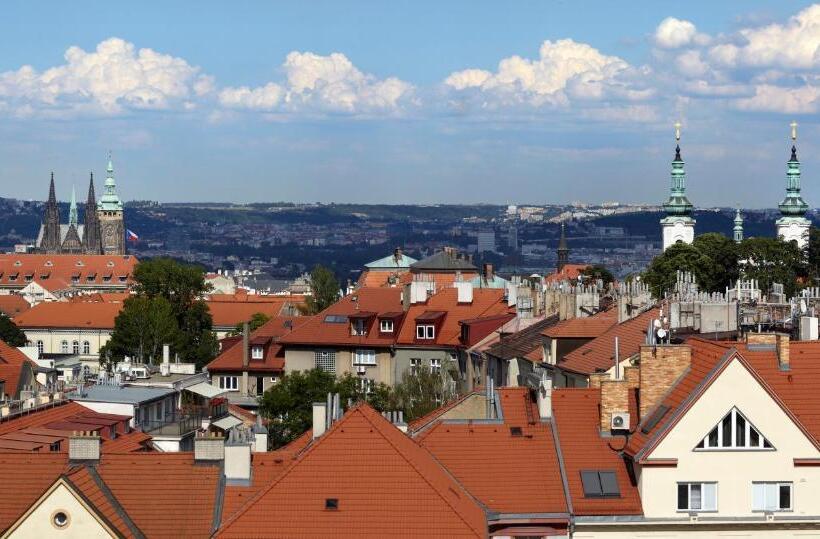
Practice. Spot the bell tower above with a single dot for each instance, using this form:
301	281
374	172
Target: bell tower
110	215
678	226
793	225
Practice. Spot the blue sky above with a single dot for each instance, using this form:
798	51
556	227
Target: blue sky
517	102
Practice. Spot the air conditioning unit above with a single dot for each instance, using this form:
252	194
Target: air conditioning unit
361	369
619	421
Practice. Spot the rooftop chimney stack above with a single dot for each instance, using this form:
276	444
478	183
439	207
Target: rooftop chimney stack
320	414
84	446
782	348
488	272
238	457
209	447
260	433
661	366
545	397
245	344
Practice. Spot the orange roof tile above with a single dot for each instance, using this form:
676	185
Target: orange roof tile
26	477
394	488
61	314
12	363
93	270
497	466
569	272
583	328
87	483
227	314
268	335
583	448
13	304
599	353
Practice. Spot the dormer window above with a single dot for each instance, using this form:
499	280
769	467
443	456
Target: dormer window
386	326
18	263
425	331
257	352
357	326
49	263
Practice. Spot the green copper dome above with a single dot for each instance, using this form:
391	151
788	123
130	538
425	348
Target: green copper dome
793	205
678	203
110	201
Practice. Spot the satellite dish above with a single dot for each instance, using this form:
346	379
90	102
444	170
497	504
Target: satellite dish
661	333
656	323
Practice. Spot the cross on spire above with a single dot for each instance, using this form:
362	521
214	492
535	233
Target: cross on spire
677	131
793	125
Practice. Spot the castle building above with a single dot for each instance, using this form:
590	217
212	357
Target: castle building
678	226
793	225
103	228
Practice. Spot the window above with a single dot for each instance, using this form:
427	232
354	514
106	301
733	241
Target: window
435	366
332	503
231	383
415	365
365	385
697	496
771	496
357	327
600	484
386	326
257	352
86	348
424	331
734	432
75	348
364	357
326	360
40	347
64	347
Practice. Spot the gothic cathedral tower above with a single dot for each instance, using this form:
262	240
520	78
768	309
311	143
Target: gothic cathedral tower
110	215
50	238
91	236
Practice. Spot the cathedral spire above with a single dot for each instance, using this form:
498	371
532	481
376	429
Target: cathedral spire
793	225
48	240
110	201
52	197
92	243
72	209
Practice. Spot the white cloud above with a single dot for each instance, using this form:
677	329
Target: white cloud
565	70
795	44
111	79
673	33
769	98
322	84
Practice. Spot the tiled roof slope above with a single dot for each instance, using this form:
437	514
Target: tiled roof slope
521	343
496	466
583	328
26	476
318	331
599	353
386	486
13	304
273	358
61	314
582	448
569	272
45	268
86	481
231	313
486	302
12	363
442	261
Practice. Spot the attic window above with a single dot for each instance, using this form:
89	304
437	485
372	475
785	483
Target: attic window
734	432
516	431
332	503
110	263
49	263
18	263
600	484
386	326
257	352
335	319
424	331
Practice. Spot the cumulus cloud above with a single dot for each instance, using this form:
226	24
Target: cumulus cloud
673	33
109	80
770	98
324	84
565	70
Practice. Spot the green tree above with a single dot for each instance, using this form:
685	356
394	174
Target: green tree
772	260
324	289
722	270
196	341
422	391
10	333
257	321
181	284
661	274
596	272
141	328
813	256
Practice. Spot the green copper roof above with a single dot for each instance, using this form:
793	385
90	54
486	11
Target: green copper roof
738	228
72	209
391	262
793	205
678	204
109	201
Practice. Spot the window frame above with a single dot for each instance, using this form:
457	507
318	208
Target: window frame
689	485
75	348
779	485
229	383
733	416
257	351
329	358
358	327
86	348
41	346
425	332
383	325
435	365
369	355
415	366
64	346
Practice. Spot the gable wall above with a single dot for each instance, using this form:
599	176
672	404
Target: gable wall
82	522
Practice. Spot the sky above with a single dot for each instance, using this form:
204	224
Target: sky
542	102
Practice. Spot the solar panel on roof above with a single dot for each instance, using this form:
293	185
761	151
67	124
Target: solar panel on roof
654	419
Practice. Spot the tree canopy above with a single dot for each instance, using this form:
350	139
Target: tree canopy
10	333
257	321
596	272
324	289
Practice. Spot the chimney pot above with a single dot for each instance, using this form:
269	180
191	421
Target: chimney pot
320	412
209	447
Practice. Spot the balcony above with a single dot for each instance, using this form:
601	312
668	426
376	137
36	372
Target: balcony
187	420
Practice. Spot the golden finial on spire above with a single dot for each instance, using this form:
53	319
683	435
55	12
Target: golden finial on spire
793	125
677	131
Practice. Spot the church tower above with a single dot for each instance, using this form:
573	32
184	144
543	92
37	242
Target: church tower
678	226
738	228
563	250
91	231
793	225
71	242
110	214
50	236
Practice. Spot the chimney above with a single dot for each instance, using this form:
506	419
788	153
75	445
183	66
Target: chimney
260	434
209	447
614	399
488	272
320	415
544	397
776	342
245	344
661	366
166	353
84	446
238	457
782	347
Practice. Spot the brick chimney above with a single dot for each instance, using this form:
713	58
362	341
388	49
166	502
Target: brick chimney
778	342
782	348
84	446
209	448
488	272
661	366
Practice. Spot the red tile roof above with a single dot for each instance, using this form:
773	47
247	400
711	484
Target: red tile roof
393	488
47	269
86	481
569	272
268	335
227	314
26	477
12	363
317	330
487	302
497	466
61	314
583	328
583	448
13	304
599	353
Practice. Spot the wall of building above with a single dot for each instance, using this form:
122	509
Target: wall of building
82	522
52	339
733	470
689	531
302	359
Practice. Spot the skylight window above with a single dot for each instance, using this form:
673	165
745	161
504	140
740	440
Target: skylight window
600	484
734	432
335	319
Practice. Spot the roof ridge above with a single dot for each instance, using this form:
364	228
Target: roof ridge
115	503
75	470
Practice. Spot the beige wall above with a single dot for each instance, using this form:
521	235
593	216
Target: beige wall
734	471
53	337
696	531
297	359
82	523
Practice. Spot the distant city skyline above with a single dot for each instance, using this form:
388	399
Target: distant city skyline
411	102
